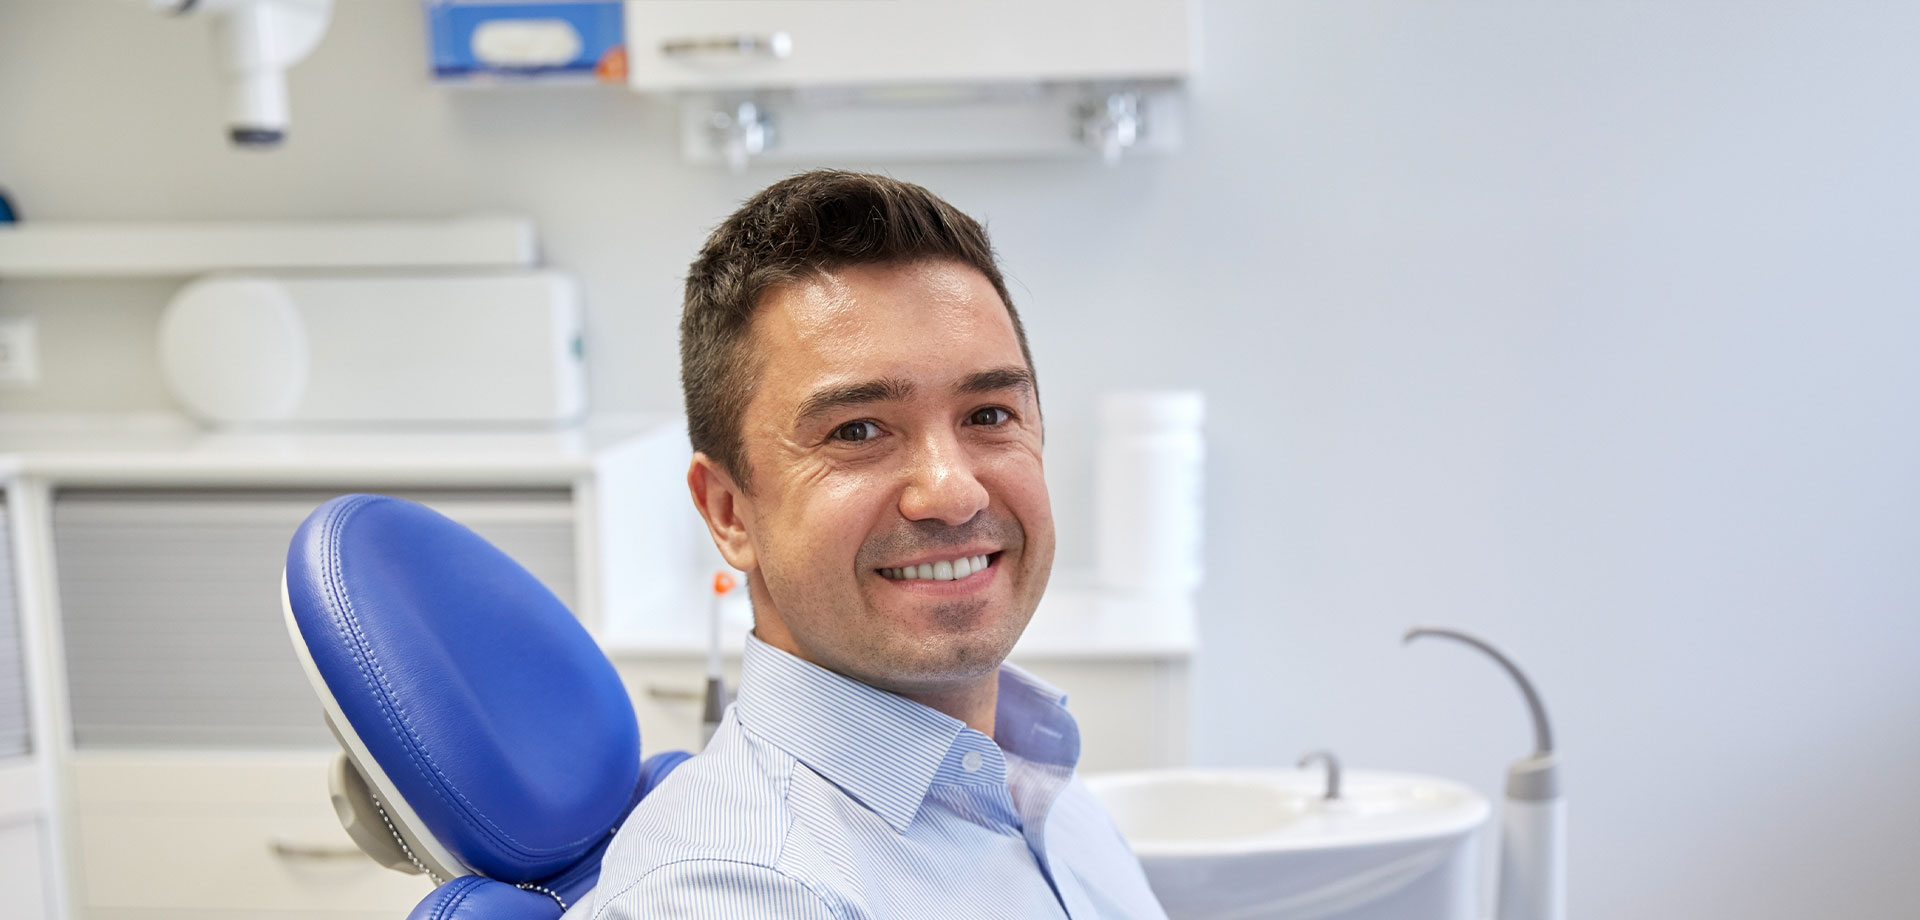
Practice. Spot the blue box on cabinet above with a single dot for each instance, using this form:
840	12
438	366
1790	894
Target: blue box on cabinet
478	40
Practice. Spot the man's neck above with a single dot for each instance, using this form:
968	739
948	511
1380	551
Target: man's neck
974	705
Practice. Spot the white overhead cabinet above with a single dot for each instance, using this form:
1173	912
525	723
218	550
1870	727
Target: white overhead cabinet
739	44
810	78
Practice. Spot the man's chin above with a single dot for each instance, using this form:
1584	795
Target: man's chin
941	662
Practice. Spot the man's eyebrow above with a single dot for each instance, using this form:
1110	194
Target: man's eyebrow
1002	378
826	400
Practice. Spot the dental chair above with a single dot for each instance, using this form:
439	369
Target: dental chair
486	740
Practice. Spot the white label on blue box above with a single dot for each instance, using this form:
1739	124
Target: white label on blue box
564	38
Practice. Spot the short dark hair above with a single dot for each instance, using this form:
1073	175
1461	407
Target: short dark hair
819	221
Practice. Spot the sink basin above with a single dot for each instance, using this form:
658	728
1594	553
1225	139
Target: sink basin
1243	844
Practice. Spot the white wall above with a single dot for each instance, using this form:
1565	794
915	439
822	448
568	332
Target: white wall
1581	325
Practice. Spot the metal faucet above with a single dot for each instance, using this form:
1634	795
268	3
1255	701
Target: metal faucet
1333	771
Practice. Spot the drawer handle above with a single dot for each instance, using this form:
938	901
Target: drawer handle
307	851
772	46
675	694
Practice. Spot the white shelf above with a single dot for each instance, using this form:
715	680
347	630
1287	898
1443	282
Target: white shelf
170	450
80	250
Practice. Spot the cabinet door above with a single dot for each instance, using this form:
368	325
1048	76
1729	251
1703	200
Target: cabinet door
173	835
700	44
170	604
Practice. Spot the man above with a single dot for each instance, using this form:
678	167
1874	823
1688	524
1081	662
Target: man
867	431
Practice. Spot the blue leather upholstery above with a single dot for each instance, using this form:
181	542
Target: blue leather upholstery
484	701
471	897
657	767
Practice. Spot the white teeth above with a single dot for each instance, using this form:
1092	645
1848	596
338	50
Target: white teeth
949	570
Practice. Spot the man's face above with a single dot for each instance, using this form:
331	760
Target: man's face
894	427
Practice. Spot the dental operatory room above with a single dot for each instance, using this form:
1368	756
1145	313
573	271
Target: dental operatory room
525	459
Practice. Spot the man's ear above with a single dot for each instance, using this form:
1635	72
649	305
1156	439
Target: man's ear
723	505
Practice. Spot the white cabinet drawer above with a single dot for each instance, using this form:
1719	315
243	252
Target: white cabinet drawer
682	44
161	835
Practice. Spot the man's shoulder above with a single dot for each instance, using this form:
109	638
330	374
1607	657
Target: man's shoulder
729	801
716	831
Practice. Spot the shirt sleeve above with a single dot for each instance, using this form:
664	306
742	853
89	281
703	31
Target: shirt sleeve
715	889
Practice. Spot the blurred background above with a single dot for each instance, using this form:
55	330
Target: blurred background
1584	326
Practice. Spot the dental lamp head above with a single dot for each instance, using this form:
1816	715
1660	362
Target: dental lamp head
255	41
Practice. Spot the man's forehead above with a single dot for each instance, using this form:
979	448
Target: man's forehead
868	333
930	292
846	317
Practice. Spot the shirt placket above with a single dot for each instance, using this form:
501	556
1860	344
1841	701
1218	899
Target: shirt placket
1066	885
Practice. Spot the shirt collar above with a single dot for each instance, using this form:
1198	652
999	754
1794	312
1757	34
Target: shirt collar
1031	720
882	749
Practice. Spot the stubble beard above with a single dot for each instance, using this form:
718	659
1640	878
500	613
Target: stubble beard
937	647
963	642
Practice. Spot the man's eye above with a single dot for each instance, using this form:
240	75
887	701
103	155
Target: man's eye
990	416
856	431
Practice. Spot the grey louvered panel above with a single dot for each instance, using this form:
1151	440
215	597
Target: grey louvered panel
171	607
16	739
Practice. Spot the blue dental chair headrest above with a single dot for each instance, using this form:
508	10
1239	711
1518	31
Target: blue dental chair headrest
487	732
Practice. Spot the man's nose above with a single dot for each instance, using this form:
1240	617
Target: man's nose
941	484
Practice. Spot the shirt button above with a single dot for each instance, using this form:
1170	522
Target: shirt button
970	761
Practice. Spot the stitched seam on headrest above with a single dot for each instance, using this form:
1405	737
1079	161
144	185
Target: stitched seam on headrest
452	902
375	676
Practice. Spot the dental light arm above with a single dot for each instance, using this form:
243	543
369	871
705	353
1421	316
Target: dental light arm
1533	824
255	41
714	708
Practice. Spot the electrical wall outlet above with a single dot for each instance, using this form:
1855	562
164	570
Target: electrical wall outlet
19	352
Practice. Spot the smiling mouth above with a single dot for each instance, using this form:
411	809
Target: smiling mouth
944	570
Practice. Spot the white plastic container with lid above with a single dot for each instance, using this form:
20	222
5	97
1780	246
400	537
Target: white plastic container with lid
1148	478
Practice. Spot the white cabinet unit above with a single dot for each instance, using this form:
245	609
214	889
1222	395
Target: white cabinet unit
819	79
677	45
179	769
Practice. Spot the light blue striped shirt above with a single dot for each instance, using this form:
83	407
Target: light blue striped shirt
822	797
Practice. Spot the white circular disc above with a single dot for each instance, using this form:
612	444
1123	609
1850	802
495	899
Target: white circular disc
234	350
